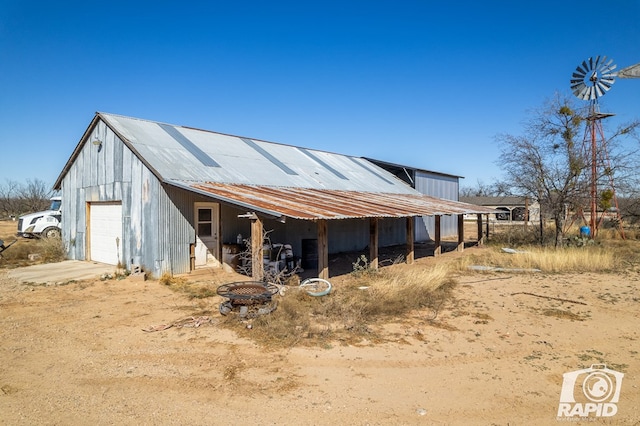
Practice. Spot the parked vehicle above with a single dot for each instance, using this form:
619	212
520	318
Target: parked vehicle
44	224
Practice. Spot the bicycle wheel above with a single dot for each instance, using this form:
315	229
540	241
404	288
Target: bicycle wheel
316	286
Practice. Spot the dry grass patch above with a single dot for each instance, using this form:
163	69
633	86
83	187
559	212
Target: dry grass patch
349	313
47	250
193	289
597	258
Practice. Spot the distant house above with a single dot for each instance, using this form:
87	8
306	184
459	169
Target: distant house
509	209
170	198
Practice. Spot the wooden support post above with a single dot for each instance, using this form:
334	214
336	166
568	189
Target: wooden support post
410	249
437	251
373	243
257	264
323	250
480	236
487	226
460	232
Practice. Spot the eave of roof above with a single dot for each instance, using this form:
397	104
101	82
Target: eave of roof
401	166
317	204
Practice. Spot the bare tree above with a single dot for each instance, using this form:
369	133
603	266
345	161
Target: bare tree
549	163
9	198
17	198
34	195
480	190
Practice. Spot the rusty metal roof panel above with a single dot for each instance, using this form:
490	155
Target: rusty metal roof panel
314	204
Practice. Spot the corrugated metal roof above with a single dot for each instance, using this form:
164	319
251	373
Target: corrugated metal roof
314	204
274	179
187	154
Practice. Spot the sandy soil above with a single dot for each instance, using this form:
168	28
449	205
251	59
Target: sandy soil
76	354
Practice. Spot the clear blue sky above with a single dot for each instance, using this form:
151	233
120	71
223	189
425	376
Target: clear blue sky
423	83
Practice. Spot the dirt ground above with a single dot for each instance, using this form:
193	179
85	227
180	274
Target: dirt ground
76	353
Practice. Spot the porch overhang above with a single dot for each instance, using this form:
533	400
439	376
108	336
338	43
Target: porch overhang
327	204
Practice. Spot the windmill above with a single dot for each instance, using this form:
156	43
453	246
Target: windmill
590	81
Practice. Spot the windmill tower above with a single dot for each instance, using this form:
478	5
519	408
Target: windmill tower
591	80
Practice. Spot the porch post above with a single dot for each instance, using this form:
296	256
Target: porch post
373	243
437	251
480	236
460	232
410	248
323	250
257	266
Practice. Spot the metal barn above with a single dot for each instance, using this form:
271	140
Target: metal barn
172	198
435	184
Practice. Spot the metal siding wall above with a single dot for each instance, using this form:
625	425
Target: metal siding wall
176	218
133	234
392	231
153	239
435	185
348	235
103	175
344	235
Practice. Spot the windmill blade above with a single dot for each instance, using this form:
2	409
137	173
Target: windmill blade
609	64
607	81
603	88
597	91
585	67
580	71
577	84
630	72
577	88
575	81
584	93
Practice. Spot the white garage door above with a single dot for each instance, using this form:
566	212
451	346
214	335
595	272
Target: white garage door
105	225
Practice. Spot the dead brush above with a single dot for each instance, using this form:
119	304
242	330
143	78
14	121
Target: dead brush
51	249
289	325
48	250
593	258
193	289
356	304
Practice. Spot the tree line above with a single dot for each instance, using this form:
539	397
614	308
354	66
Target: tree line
18	198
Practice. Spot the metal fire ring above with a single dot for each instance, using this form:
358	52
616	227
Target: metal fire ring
247	292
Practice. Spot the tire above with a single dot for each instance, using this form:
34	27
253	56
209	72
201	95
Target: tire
51	232
316	286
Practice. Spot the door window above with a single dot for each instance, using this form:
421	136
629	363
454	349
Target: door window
205	222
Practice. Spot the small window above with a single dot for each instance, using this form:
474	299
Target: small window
204	215
204	229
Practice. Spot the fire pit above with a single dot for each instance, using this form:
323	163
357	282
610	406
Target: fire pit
254	294
247	293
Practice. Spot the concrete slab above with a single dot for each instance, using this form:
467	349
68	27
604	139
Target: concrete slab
60	272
